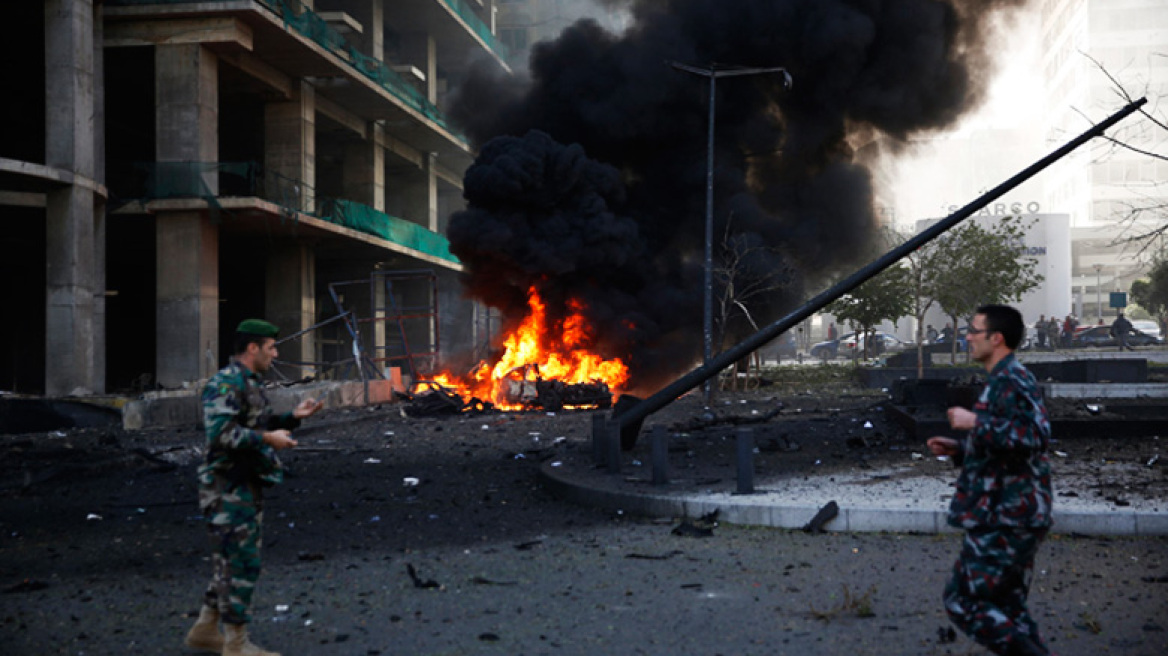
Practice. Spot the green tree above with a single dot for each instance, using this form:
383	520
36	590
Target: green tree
1152	294
885	297
976	266
924	267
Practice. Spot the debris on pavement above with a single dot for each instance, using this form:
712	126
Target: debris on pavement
426	584
482	580
827	513
27	585
702	527
688	529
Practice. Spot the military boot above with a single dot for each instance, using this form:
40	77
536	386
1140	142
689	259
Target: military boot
204	635
238	644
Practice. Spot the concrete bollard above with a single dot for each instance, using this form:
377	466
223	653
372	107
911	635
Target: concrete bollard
745	461
613	442
599	440
660	443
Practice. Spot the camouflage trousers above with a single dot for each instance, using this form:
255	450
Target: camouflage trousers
234	514
986	596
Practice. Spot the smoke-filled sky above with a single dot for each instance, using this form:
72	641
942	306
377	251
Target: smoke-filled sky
591	178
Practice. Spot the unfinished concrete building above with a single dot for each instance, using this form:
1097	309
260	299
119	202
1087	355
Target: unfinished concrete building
171	167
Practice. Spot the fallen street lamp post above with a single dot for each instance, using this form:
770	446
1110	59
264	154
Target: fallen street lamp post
713	72
630	420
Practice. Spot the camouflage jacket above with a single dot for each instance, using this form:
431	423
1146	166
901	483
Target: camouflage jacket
235	414
1005	471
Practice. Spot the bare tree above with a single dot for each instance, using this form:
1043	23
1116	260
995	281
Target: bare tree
1145	218
748	273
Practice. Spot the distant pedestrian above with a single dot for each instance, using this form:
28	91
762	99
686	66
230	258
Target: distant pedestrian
831	331
1052	332
242	437
931	334
1120	329
946	333
1069	325
1003	493
1040	331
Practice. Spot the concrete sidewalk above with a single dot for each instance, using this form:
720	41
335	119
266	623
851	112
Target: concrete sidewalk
904	498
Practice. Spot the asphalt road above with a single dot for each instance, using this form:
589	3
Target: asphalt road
516	571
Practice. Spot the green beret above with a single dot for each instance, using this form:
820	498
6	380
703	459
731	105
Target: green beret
258	327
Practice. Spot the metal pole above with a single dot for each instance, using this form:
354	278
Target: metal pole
708	292
708	299
666	395
1098	294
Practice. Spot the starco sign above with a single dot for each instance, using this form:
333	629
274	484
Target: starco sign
1004	209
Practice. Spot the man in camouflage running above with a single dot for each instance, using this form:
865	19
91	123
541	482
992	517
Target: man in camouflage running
1003	493
242	439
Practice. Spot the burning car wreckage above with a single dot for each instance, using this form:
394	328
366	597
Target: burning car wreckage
522	389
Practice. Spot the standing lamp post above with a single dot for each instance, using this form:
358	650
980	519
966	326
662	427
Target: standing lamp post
713	72
1098	291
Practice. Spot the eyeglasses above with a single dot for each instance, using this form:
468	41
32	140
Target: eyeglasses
975	331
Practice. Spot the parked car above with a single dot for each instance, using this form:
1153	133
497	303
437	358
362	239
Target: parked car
1149	328
881	343
1101	336
828	349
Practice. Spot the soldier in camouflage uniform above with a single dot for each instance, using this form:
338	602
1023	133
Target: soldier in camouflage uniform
1003	494
242	439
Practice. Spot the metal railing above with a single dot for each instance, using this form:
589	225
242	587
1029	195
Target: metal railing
211	181
478	26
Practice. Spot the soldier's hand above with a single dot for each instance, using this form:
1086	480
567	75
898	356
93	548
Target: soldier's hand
942	446
279	439
962	419
307	408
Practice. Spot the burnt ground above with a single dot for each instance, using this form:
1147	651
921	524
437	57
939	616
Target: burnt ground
102	550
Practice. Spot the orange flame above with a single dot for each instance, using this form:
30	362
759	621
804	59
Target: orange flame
535	349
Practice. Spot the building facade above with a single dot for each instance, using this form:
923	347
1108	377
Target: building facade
1109	191
1112	192
179	165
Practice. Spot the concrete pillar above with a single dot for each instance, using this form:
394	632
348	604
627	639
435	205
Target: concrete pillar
371	15
364	170
421	51
99	259
186	112
420	196
187	242
99	204
290	298
71	257
290	149
187	309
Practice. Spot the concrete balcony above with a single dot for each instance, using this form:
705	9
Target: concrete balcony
453	23
263	38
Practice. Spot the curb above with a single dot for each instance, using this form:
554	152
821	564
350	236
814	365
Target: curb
755	510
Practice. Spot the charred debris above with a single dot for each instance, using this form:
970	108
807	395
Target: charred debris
524	388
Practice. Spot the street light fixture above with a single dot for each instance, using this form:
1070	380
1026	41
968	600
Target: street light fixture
714	72
1098	291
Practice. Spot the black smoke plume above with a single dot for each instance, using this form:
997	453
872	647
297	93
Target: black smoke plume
616	219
